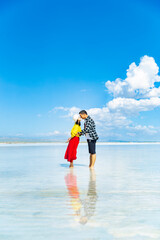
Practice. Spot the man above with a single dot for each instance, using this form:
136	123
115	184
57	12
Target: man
90	132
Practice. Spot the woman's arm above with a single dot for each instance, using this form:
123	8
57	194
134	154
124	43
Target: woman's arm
68	139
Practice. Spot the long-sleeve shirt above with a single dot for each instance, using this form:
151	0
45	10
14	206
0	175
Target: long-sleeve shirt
90	128
76	128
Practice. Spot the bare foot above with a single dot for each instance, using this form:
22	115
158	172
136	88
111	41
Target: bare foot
91	167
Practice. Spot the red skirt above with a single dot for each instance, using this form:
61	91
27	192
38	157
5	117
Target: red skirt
71	152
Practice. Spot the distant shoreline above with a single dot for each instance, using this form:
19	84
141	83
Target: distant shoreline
2	144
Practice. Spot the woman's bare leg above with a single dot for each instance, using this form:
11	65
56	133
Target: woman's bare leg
71	164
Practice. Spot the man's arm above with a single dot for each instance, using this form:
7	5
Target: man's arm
87	128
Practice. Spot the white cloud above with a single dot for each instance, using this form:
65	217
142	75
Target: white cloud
143	129
135	94
58	108
54	133
131	105
73	110
104	117
140	80
70	111
131	134
154	92
19	135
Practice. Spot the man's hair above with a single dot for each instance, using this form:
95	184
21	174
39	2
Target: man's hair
83	112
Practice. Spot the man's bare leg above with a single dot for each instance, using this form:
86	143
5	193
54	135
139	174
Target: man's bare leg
90	158
93	159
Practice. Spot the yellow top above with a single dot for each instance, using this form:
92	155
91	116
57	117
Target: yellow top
76	128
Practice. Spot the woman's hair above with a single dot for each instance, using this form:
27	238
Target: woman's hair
78	122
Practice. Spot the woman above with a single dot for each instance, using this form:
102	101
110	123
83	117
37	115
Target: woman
73	141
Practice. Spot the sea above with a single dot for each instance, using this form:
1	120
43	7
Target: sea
41	198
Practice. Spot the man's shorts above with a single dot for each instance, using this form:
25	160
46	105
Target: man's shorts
91	146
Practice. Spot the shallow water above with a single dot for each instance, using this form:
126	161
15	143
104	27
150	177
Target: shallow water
42	199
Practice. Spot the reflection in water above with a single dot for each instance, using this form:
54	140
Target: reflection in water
71	183
84	209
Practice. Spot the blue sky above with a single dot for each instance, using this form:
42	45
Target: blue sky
62	53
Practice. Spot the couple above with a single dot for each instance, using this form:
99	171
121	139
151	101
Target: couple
89	131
